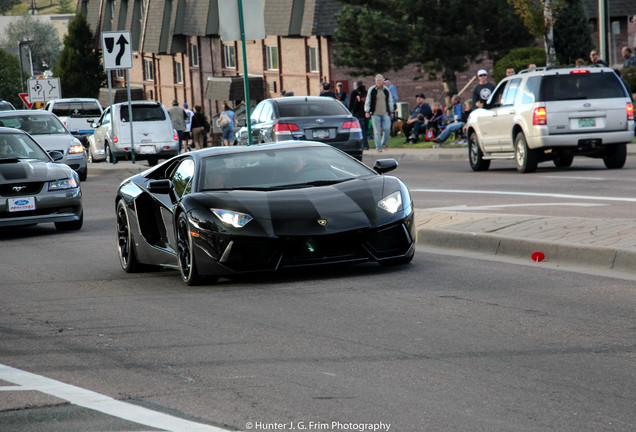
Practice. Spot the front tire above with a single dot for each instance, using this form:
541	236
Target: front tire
527	159
83	174
125	243
185	252
475	155
107	152
70	226
615	156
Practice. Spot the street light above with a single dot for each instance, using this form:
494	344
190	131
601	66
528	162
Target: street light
25	42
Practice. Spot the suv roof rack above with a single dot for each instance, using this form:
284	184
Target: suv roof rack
547	68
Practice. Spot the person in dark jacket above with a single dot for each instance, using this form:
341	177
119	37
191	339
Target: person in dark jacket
379	108
356	106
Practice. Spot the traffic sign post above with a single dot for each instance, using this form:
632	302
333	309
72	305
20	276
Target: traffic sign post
117	54
44	90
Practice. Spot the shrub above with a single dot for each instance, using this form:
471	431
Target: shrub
519	58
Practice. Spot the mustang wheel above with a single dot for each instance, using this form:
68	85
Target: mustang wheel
526	158
127	257
187	264
475	155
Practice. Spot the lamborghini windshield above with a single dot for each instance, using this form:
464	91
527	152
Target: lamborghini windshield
282	168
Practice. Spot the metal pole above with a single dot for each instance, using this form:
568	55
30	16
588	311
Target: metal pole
21	67
246	82
113	153
602	30
130	118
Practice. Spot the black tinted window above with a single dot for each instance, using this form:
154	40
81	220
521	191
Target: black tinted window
143	113
313	108
76	109
581	86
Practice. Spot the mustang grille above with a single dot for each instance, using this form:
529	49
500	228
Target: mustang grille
10	190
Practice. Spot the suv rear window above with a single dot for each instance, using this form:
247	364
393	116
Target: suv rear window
142	113
327	107
76	109
581	86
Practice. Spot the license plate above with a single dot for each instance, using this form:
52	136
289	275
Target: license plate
146	140
321	133
21	204
587	122
147	149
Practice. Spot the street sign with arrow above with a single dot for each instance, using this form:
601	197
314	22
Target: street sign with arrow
116	50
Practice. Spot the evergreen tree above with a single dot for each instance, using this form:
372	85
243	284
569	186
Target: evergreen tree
573	32
10	84
376	36
79	69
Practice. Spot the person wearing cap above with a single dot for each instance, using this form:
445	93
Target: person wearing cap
342	95
482	90
178	118
421	111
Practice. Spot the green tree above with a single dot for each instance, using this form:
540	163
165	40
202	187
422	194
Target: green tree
573	32
80	71
7	5
439	37
65	7
10	84
519	58
45	47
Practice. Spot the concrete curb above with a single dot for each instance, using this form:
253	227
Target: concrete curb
556	253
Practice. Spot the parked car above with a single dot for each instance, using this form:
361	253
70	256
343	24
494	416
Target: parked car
77	114
228	210
51	134
6	105
553	114
308	118
34	188
154	136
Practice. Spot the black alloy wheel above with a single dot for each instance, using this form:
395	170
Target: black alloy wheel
185	253
127	257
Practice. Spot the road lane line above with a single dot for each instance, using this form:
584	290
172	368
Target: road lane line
98	402
491	207
533	194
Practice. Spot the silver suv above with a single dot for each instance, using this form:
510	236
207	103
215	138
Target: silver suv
553	114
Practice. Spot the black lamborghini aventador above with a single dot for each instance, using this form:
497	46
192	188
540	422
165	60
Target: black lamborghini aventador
228	210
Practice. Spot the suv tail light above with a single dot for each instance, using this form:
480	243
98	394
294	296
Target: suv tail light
115	139
540	116
175	135
285	127
580	71
353	126
630	111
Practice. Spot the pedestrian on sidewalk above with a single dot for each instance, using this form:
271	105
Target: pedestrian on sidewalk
379	108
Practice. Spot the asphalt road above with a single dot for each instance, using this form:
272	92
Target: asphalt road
450	342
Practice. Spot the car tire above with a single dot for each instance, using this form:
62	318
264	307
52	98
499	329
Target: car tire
563	161
125	241
185	252
108	153
615	156
526	158
152	161
83	174
89	157
70	226
475	155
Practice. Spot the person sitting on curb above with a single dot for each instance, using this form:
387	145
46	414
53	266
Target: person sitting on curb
419	113
456	126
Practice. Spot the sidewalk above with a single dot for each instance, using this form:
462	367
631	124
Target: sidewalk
607	244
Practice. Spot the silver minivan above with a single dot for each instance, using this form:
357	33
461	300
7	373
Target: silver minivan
154	136
553	114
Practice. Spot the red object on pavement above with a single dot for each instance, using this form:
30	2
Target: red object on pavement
538	256
25	99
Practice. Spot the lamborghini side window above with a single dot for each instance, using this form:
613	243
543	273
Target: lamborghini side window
182	177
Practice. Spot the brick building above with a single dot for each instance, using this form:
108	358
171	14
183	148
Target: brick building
178	53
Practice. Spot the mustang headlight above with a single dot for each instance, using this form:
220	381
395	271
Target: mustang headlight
391	203
76	148
236	219
69	183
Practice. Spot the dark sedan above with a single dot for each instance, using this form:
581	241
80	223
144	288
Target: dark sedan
33	188
306	118
228	210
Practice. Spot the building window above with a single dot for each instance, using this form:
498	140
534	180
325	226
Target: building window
313	59
229	56
272	57
178	73
149	73
194	55
119	73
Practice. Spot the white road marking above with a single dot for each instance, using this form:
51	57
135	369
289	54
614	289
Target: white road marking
98	402
490	207
573	177
533	194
